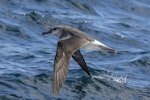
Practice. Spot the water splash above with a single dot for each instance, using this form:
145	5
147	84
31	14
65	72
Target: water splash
113	77
118	78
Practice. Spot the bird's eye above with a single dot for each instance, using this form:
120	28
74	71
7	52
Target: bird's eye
54	29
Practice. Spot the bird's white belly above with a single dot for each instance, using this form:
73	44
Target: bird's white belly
94	45
90	46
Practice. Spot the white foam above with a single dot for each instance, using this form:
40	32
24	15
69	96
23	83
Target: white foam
120	79
98	77
113	77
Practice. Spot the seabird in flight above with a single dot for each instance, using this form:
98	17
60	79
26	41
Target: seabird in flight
71	40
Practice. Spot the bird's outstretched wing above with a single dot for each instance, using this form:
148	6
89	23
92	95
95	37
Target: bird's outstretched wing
65	49
77	56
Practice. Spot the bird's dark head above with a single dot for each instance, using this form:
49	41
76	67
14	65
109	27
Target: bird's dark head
56	31
51	31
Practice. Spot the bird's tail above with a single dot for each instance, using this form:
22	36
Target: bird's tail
103	47
106	48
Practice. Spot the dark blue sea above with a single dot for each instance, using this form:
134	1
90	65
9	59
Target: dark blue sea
26	56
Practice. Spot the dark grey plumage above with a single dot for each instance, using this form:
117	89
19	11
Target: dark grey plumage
62	60
71	40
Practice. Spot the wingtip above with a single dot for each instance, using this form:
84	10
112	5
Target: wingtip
55	94
90	75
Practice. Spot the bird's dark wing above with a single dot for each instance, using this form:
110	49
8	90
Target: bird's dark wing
61	64
77	56
65	49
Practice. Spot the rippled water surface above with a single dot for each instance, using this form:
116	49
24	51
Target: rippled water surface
26	57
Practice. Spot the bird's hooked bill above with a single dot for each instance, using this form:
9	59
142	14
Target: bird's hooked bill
48	32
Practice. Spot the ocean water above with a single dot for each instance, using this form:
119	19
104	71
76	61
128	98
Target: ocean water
26	57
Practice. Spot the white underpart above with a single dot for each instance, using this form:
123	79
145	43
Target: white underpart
66	37
57	32
94	45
